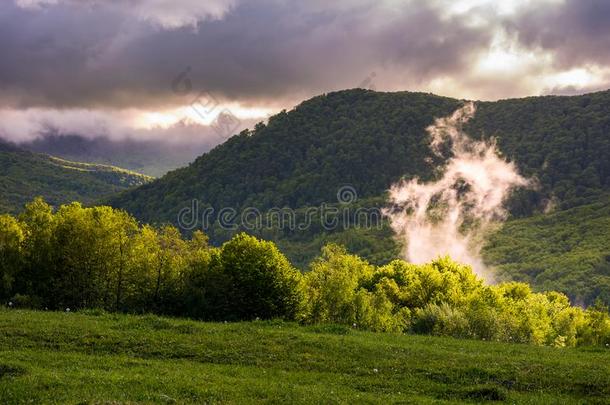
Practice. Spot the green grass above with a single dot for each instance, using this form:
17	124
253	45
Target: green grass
77	358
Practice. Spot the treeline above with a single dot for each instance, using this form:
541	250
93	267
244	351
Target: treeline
77	257
100	257
444	298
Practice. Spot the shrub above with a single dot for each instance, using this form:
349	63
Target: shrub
261	281
333	287
442	320
80	257
25	301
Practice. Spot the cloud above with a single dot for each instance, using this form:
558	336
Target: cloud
167	14
123	55
576	31
26	125
34	4
275	52
188	13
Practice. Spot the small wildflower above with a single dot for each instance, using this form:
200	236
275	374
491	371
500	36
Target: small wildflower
375	370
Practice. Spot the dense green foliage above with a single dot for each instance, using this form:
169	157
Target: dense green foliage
565	250
244	279
102	258
444	298
25	175
48	357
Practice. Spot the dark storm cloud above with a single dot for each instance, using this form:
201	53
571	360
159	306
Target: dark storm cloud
94	55
577	31
117	54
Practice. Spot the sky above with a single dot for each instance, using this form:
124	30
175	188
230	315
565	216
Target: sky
167	69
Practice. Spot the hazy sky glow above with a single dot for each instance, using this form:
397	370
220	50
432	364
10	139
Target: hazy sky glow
107	66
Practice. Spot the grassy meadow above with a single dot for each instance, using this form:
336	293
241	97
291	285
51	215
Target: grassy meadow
94	357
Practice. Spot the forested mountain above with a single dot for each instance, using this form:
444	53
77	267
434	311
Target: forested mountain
302	157
368	140
25	175
563	141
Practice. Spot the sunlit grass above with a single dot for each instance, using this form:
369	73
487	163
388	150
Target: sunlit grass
77	358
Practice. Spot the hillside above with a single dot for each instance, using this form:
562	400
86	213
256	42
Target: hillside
566	250
150	157
25	175
48	357
369	140
563	141
302	157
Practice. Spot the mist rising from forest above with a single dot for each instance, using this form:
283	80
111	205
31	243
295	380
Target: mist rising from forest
448	216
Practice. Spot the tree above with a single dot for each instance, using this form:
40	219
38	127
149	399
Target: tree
12	237
160	261
262	282
79	246
115	232
333	284
206	286
39	256
143	268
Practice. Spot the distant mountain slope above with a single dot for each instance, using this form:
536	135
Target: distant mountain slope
154	158
25	175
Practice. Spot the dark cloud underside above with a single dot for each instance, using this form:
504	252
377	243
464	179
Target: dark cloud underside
91	54
112	55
